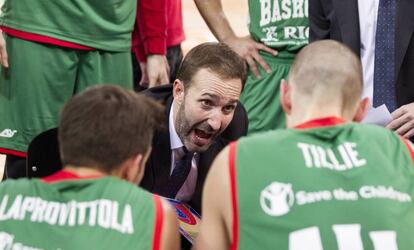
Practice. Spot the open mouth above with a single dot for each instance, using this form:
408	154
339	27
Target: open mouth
201	137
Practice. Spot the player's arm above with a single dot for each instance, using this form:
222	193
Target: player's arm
170	239
216	223
410	147
319	26
246	47
152	37
3	51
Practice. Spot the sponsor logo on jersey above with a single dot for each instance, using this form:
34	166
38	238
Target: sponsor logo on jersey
279	34
8	133
277	199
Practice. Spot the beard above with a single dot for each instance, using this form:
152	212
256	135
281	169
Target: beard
196	136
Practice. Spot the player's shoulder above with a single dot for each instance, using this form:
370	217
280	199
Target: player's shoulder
374	132
14	186
124	187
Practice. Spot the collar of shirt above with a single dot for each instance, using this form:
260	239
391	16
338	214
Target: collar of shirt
175	141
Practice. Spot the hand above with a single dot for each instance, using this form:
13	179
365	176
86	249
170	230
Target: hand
144	82
158	70
3	52
247	48
403	120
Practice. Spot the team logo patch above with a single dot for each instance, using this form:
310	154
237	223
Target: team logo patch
277	199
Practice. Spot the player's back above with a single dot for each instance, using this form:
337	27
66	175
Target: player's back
104	213
348	186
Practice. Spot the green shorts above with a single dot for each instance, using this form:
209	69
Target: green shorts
261	97
41	78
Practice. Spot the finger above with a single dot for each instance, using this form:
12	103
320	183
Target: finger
4	57
407	126
152	81
144	84
263	47
253	67
165	79
261	62
399	112
409	134
396	123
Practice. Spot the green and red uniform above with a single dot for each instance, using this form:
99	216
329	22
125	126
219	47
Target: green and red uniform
325	185
57	49
64	211
283	26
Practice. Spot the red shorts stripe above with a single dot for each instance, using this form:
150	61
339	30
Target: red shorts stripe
43	39
12	152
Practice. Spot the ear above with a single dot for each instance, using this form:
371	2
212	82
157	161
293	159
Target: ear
286	97
131	169
362	110
178	90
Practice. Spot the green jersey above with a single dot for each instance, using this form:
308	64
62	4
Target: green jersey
348	186
105	25
100	213
280	24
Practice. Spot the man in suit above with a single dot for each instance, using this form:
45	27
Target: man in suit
380	32
202	116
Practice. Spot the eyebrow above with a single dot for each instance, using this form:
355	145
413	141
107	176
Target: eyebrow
216	98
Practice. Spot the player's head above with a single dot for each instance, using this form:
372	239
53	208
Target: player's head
109	128
325	79
208	86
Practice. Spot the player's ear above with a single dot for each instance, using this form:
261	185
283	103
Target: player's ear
131	168
285	97
362	110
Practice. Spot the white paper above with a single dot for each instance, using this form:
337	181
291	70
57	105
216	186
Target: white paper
379	116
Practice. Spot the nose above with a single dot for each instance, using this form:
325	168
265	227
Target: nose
215	121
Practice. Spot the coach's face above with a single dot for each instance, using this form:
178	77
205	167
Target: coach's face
204	109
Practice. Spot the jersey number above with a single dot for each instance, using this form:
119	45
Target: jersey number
348	237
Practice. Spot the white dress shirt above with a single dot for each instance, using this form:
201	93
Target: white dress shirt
368	12
187	190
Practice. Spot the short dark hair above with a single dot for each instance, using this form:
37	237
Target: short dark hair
217	57
105	125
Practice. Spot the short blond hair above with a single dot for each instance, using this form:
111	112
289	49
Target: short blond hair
328	69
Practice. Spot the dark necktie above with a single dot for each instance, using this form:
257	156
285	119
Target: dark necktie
182	167
384	68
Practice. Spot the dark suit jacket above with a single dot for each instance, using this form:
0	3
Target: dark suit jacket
158	165
339	20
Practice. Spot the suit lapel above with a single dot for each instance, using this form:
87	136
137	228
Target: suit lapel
348	19
404	30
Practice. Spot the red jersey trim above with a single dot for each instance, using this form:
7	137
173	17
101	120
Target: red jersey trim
64	175
12	152
321	122
159	220
409	147
233	189
43	39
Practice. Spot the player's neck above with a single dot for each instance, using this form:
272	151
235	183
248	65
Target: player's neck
309	114
84	171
